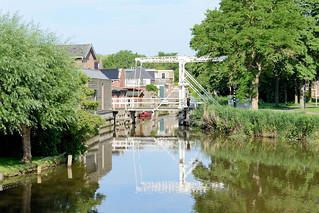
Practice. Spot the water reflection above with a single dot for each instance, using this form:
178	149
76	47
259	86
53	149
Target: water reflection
156	166
273	177
166	145
155	126
62	189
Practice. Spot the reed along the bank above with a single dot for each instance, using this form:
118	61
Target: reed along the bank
262	123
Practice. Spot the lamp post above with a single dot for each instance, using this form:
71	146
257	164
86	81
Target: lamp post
234	98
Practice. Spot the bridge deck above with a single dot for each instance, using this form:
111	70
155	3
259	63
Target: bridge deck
149	109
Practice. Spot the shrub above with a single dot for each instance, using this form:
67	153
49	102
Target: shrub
151	88
265	123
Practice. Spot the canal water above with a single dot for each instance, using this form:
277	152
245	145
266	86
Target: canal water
155	166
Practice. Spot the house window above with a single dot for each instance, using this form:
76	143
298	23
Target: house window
163	75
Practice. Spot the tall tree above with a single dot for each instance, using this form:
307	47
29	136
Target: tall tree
254	34
121	59
164	66
39	86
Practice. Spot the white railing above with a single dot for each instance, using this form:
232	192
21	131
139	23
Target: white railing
131	103
151	103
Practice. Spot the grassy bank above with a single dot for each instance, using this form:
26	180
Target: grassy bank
262	123
310	107
10	167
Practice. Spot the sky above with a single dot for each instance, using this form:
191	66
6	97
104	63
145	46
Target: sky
142	26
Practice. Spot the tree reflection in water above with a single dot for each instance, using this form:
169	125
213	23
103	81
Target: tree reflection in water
56	194
259	176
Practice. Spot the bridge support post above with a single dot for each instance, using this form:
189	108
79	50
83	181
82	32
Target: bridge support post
156	115
183	117
181	84
114	116
133	116
133	130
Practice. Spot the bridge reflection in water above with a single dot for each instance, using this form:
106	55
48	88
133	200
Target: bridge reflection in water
135	140
137	144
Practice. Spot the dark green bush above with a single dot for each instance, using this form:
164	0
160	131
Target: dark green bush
70	139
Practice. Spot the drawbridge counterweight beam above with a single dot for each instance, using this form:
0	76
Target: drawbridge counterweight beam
183	74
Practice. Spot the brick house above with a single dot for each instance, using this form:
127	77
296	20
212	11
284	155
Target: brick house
117	76
83	54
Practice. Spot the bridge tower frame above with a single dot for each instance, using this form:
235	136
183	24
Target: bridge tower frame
183	81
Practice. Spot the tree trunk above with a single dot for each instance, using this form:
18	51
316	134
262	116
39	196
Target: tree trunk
296	92
277	91
26	143
255	97
286	94
309	93
303	96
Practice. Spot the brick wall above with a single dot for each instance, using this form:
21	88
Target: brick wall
122	78
90	61
86	63
115	83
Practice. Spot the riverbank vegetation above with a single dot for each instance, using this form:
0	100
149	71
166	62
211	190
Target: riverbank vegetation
43	95
262	123
11	167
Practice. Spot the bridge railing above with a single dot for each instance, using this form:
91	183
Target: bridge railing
131	103
149	103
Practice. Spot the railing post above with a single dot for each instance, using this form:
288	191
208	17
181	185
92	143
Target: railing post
39	170
69	160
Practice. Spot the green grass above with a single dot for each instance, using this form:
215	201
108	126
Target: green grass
13	166
310	107
281	106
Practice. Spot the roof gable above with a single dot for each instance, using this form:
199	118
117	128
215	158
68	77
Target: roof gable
96	74
139	73
112	74
79	50
151	73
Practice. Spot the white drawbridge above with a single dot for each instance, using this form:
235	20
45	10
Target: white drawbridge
185	79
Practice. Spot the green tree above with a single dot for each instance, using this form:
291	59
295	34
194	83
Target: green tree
72	137
121	59
165	66
255	35
39	86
